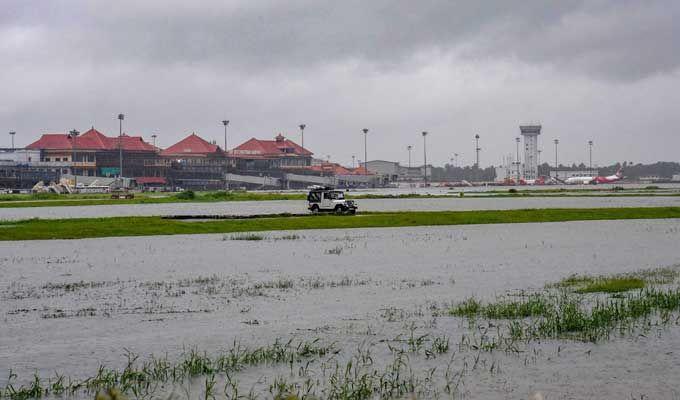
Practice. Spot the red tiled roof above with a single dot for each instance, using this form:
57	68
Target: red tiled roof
192	145
51	141
90	140
279	147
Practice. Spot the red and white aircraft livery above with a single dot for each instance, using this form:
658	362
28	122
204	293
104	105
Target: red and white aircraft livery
593	180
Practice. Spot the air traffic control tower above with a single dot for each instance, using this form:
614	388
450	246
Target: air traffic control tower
530	134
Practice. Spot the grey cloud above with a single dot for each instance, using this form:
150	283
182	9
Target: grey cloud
615	39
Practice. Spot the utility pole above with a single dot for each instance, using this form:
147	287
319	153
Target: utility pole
425	156
302	133
121	117
365	130
11	134
73	135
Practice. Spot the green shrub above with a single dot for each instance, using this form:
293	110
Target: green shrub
186	195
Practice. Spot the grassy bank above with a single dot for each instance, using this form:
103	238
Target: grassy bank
145	226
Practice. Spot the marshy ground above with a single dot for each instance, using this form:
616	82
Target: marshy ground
348	313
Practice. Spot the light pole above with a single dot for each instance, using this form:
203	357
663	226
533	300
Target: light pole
226	154
121	117
302	134
455	157
353	161
425	155
477	149
153	138
365	130
73	135
225	123
556	141
590	148
517	163
11	134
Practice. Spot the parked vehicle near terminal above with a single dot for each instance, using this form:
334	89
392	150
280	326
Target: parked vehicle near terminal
327	199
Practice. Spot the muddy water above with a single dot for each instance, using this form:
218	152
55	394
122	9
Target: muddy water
70	306
292	206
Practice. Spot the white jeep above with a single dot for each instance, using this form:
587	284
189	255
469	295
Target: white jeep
326	199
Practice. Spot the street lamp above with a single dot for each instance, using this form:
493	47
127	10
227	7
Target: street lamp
73	135
425	155
153	137
556	141
590	148
455	158
477	149
353	161
365	130
121	117
302	134
11	134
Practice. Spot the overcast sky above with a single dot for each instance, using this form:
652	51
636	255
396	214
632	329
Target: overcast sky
606	71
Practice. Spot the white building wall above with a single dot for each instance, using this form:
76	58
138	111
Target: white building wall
530	134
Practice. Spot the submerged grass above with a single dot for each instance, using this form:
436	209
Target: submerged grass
618	282
139	378
34	229
612	285
569	313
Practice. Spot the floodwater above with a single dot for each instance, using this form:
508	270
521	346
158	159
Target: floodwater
299	206
71	305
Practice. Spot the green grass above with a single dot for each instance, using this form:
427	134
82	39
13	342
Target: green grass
34	229
612	285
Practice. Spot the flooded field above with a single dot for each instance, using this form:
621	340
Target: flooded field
294	206
361	308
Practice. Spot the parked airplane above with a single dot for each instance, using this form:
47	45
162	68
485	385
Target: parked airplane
593	180
539	181
611	178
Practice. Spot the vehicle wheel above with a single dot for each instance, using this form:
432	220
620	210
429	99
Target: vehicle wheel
339	209
315	209
352	212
